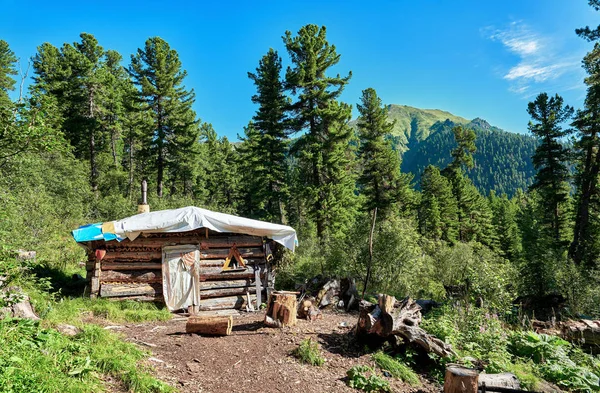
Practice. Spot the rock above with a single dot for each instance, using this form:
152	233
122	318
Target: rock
547	387
19	303
68	330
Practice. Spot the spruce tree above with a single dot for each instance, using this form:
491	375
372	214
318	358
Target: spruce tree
438	211
325	160
268	140
380	180
156	70
550	161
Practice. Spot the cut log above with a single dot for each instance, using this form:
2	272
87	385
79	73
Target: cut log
459	379
307	310
281	309
217	242
130	266
504	380
131	276
212	326
141	289
223	303
391	319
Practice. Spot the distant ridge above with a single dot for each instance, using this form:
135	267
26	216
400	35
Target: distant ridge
424	136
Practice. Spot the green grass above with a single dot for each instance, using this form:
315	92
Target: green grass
308	352
37	359
396	368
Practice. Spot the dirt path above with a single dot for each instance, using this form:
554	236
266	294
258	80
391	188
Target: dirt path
254	358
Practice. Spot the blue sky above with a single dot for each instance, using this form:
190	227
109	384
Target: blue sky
470	57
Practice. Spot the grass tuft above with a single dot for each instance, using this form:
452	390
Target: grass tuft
308	352
396	368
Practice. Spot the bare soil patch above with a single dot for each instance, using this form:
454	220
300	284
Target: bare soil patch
255	358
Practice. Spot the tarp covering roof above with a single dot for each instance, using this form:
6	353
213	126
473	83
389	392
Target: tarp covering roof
182	220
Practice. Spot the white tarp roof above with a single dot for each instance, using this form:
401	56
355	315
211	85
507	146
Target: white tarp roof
191	217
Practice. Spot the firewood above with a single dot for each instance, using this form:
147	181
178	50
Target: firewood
210	326
281	309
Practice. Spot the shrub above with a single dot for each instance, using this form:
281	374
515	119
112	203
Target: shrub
365	378
308	352
396	368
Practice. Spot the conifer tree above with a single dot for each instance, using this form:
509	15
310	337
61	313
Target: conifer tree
438	212
324	157
550	161
380	180
156	70
268	140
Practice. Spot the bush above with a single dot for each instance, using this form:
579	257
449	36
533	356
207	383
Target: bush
365	378
396	368
308	352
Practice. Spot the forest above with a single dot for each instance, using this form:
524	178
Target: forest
503	247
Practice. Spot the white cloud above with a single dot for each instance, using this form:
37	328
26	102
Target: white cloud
538	59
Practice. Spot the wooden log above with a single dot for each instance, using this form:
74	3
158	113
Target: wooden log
147	276
208	263
118	290
225	292
223	303
231	275
307	310
130	266
213	326
459	379
391	318
214	242
205	285
281	309
221	253
133	255
156	299
504	380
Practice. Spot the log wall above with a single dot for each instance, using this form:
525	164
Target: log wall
133	269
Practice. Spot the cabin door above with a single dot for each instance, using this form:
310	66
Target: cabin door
181	276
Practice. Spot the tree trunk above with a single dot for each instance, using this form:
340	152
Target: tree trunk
391	319
281	309
459	379
210	326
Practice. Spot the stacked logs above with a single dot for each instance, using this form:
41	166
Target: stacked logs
396	321
132	269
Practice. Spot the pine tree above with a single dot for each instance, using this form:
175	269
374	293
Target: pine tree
156	70
268	140
8	62
505	213
380	180
323	153
550	161
438	212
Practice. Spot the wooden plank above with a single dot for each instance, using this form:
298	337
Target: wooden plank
117	290
157	298
131	275
258	285
206	285
131	266
223	303
95	279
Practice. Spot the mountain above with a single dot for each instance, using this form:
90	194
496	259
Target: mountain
424	136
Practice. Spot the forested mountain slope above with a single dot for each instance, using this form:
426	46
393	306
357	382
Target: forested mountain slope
424	137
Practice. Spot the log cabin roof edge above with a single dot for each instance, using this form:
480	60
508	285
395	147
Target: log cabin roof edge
182	220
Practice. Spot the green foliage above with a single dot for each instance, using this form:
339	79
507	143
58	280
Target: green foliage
366	379
308	352
396	368
36	359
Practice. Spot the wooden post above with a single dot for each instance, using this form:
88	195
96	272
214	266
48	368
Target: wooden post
95	281
281	309
258	284
210	326
459	379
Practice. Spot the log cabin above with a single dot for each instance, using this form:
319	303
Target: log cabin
191	259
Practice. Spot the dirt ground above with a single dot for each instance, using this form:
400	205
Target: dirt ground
254	358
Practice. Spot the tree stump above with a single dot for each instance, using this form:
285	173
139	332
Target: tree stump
281	309
459	379
210	326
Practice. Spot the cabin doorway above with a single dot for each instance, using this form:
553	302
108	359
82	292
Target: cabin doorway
181	276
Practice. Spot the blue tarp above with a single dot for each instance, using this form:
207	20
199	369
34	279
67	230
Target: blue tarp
87	233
